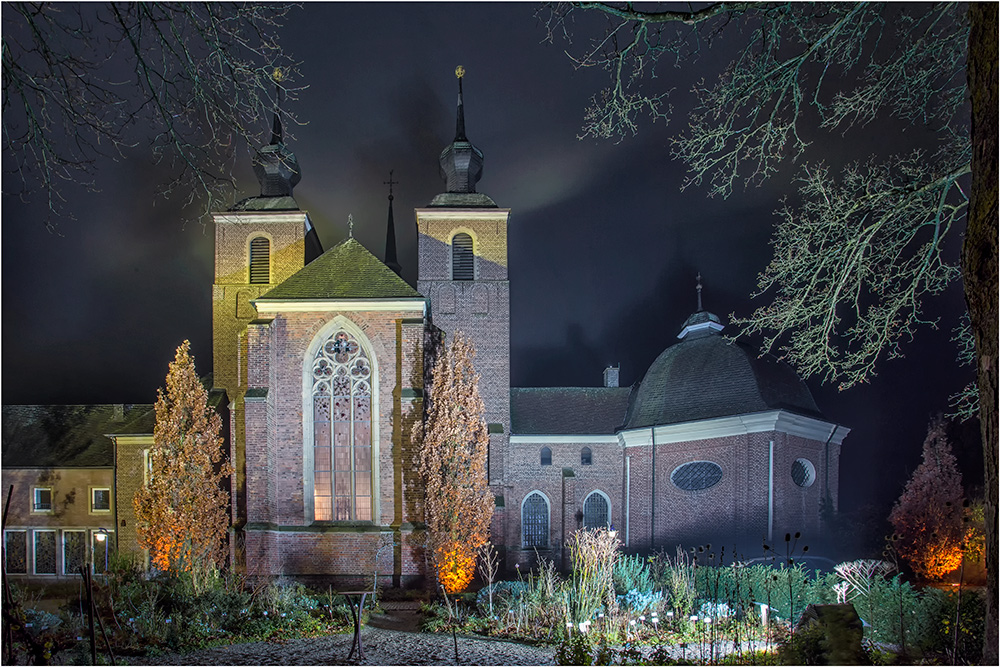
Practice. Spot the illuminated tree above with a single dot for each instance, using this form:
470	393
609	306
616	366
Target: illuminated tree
854	260
84	80
453	443
182	511
927	518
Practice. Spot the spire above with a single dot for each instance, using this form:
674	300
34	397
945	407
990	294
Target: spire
460	122
275	166
390	233
699	293
461	162
701	322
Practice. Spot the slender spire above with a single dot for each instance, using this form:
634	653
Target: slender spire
390	233
350	225
275	166
460	121
461	162
700	308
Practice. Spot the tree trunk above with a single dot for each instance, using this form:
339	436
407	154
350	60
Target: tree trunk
980	271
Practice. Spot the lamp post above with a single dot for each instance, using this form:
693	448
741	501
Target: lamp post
102	536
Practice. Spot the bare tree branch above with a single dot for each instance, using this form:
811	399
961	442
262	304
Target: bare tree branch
87	81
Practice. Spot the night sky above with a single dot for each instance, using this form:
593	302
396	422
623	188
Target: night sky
604	246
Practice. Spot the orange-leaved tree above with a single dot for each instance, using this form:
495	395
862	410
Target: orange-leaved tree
182	511
927	518
452	444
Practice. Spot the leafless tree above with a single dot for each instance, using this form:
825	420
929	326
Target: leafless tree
85	81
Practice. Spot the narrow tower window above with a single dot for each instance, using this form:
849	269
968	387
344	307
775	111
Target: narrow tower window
462	267
586	458
260	261
546	457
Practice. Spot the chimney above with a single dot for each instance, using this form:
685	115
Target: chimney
611	376
117	412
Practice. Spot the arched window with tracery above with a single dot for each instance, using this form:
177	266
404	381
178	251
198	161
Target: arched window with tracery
596	511
535	521
260	261
342	431
462	258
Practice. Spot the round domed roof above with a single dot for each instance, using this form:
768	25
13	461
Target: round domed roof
706	376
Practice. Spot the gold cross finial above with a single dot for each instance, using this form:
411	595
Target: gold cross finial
459	72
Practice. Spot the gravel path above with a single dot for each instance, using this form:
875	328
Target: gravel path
388	640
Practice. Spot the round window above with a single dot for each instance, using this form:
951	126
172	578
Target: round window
803	472
696	475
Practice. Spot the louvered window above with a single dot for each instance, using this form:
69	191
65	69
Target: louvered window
535	521
462	267
260	260
342	431
595	511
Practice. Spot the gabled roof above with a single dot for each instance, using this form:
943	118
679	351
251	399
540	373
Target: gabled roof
67	436
345	271
568	410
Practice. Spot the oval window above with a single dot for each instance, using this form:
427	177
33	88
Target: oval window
803	472
696	475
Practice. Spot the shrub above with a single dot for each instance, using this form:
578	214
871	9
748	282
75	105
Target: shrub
632	573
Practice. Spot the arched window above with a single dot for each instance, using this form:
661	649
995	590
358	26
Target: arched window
260	261
342	431
535	521
462	267
596	511
546	456
586	458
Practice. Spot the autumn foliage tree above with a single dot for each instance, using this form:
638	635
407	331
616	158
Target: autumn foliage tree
452	444
927	518
182	511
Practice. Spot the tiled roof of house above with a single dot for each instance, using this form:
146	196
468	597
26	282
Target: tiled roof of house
568	410
345	271
68	436
707	375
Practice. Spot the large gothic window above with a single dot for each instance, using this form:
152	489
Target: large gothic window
535	521
596	513
462	258
342	431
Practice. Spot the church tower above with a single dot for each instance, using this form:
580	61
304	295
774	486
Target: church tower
462	253
259	243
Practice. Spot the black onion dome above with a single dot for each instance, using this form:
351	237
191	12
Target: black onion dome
706	376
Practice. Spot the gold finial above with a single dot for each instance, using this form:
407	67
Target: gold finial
459	72
277	75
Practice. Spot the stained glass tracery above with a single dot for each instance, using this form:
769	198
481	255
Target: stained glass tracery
342	435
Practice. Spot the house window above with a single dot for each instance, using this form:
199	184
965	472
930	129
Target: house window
45	552
74	551
586	458
41	499
100	500
342	431
546	458
462	258
696	475
803	472
16	551
535	521
260	261
596	511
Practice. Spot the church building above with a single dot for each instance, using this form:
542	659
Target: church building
321	359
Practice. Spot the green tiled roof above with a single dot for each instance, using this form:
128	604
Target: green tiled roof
345	271
68	436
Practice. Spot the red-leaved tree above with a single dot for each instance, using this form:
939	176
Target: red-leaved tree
452	444
182	511
927	518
